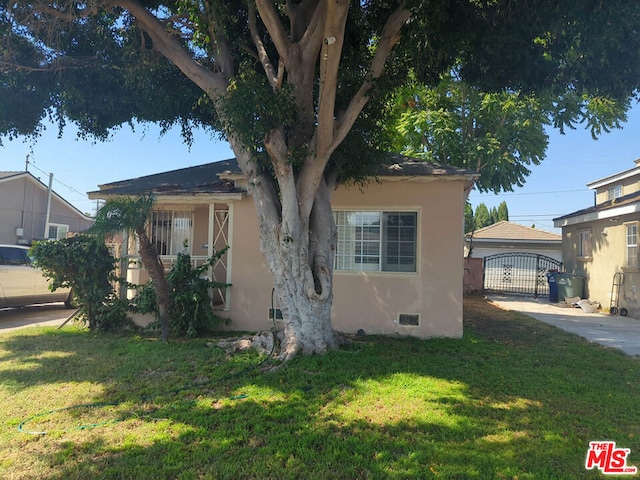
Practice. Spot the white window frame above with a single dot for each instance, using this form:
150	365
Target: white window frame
585	246
614	192
363	241
61	231
631	243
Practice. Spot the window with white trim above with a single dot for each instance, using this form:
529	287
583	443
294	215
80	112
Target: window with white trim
614	192
584	243
632	245
376	241
57	231
170	230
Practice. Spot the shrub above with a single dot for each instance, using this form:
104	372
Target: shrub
85	264
190	312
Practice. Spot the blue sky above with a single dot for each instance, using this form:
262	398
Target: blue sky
555	187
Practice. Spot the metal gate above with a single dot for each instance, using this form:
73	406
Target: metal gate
518	273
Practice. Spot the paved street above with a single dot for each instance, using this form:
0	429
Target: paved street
613	331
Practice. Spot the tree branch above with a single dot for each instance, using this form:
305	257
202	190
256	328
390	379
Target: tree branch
269	70
272	22
330	55
389	37
214	84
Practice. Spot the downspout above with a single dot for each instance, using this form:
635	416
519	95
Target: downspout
48	213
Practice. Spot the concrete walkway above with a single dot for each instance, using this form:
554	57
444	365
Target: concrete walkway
613	331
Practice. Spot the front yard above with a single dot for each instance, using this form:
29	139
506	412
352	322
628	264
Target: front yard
514	399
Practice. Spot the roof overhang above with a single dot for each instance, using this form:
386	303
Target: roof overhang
178	199
598	215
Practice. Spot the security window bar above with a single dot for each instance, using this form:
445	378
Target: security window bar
171	231
632	245
376	241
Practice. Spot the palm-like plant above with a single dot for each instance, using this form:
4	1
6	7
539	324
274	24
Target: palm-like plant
132	214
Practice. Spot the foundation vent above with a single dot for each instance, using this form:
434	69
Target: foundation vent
410	319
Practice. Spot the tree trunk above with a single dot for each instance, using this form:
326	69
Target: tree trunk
160	284
299	252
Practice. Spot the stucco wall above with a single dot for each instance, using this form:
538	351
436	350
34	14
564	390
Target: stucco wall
371	301
608	257
23	204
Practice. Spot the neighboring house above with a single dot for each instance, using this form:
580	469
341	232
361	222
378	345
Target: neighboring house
398	267
516	258
508	237
23	211
601	241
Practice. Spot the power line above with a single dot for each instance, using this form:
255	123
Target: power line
84	195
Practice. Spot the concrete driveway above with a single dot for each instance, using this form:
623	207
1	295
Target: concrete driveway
613	331
51	314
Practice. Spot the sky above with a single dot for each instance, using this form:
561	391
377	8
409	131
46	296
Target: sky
556	187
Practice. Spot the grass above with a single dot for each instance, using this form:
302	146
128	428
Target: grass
513	399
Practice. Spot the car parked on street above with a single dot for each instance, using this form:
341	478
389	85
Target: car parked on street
21	283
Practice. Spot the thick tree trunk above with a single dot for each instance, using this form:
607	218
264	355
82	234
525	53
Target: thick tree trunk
306	314
299	252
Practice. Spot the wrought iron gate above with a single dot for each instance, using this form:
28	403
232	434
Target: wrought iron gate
518	273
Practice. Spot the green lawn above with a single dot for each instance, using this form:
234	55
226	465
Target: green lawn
513	399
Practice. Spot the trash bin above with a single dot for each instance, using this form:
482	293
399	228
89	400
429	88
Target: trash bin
553	285
569	286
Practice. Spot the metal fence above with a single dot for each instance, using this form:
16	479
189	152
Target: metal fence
519	273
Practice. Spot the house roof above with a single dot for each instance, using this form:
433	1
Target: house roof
190	180
9	176
514	232
215	177
611	208
616	177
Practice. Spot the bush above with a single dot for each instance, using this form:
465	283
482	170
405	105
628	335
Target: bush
190	312
85	264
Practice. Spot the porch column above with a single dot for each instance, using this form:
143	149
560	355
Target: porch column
227	294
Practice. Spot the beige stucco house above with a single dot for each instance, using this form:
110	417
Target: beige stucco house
23	211
398	266
600	243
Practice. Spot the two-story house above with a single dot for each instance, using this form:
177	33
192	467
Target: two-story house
600	243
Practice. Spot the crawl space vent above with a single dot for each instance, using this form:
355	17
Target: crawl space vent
410	319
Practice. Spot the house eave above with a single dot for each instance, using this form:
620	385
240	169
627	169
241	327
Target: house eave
598	215
179	198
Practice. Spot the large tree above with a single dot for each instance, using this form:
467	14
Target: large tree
299	89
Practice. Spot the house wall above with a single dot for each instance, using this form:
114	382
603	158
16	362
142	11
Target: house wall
608	240
23	203
370	301
629	185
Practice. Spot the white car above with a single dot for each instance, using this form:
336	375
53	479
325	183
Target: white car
23	284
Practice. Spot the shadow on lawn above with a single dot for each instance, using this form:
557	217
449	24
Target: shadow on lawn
514	397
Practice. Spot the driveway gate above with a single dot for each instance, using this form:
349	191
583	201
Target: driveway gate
518	273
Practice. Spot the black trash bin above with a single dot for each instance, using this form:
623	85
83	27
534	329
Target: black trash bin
553	285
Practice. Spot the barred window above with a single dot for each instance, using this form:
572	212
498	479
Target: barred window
171	231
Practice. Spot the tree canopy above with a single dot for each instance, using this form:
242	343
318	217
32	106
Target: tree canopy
301	89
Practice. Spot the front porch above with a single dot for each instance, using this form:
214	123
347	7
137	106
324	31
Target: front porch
199	230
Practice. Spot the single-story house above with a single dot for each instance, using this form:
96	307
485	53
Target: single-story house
30	210
516	258
413	212
600	242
